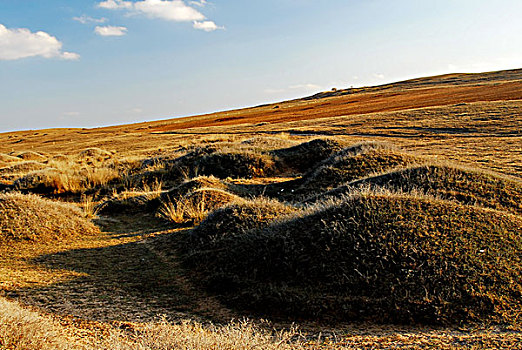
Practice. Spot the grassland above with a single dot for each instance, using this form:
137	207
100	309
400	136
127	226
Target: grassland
377	217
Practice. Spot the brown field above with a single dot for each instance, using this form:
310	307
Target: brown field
110	289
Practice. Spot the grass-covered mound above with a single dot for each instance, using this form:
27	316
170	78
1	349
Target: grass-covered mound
468	186
17	169
30	156
354	163
306	155
351	163
240	217
150	201
384	258
31	218
242	164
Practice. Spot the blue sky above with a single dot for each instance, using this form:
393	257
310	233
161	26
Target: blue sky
83	63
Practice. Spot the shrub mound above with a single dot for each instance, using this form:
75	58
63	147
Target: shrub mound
31	218
306	155
240	217
468	186
354	163
95	152
383	258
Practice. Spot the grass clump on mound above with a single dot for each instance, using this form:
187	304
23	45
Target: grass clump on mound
31	218
354	163
306	155
384	258
194	206
468	186
240	217
151	198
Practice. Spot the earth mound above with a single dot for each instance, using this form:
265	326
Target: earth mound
468	186
384	258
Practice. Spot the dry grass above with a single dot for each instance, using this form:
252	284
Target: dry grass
29	217
23	329
195	206
30	156
8	159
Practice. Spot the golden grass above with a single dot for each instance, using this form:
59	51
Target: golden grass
29	217
195	206
23	329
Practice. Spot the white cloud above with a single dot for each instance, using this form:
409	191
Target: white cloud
84	19
115	4
169	10
379	75
22	43
110	31
207	26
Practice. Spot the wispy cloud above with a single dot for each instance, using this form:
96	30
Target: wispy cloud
110	31
379	75
207	26
169	10
200	3
22	43
84	19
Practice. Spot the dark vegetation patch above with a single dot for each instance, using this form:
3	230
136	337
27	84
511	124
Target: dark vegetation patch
306	155
236	165
383	258
31	218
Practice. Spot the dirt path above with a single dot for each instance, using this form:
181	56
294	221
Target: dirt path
117	276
